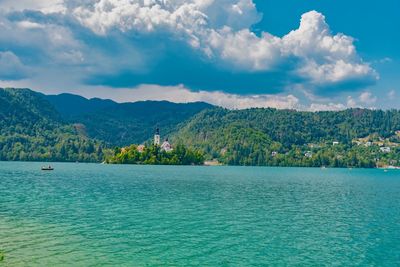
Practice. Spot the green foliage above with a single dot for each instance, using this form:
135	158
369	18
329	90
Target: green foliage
283	137
125	123
153	155
32	130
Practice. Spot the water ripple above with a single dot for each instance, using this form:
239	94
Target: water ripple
91	215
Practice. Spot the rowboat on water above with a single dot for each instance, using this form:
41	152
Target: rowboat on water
47	168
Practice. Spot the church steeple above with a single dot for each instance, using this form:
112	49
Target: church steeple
157	137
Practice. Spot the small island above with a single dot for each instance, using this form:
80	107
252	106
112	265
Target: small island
156	154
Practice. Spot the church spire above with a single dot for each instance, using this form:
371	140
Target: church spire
157	137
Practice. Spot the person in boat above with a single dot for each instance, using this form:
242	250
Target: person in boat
47	168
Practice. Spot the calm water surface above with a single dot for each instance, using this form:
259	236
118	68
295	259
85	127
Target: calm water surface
100	215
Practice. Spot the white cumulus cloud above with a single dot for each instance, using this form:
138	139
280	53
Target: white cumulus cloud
218	30
45	6
323	58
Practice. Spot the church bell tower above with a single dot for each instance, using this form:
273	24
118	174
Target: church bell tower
157	137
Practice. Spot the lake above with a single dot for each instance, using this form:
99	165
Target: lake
92	215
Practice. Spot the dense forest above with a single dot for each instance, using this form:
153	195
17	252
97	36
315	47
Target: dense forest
31	129
292	138
72	128
37	127
154	155
125	123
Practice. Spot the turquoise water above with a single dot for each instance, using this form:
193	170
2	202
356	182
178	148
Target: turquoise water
101	215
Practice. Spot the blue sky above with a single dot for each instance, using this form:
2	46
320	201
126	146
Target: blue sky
309	55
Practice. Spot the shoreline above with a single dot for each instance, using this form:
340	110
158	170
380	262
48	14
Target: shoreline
219	165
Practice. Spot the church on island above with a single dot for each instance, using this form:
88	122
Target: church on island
156	152
165	146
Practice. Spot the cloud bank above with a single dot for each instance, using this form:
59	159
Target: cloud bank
207	45
321	58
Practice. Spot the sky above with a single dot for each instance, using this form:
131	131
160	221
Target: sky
297	54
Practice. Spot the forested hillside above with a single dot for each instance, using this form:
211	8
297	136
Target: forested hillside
125	123
31	129
292	138
34	126
67	127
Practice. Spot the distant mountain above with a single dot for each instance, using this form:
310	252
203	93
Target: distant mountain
69	105
25	107
66	127
121	124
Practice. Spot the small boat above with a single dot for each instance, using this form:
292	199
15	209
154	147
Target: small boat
47	168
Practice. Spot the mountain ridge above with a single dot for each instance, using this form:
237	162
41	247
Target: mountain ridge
30	122
29	119
121	124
